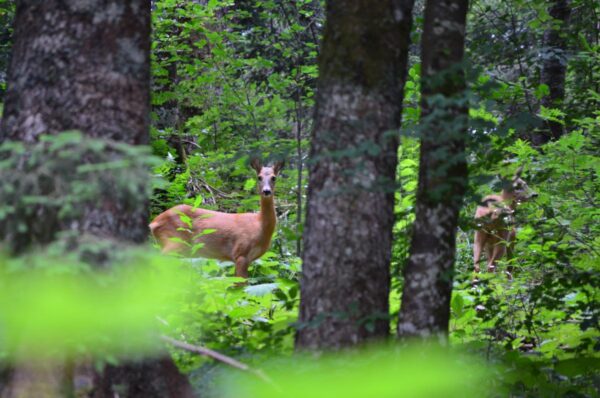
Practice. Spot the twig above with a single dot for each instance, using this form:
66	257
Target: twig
207	352
213	189
190	142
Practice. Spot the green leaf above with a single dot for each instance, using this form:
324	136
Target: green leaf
457	305
185	219
261	290
541	91
249	184
578	366
206	231
178	240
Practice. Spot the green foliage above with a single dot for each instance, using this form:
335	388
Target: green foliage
49	181
53	305
505	39
377	372
550	309
404	209
234	79
248	321
222	88
543	324
7	13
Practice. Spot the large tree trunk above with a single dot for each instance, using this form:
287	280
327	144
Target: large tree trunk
79	65
554	69
442	175
86	65
83	65
347	239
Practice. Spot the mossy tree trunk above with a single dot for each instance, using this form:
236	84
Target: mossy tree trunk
85	65
352	166
427	290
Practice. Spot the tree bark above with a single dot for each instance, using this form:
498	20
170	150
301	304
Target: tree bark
85	65
427	290
146	379
353	157
79	65
554	69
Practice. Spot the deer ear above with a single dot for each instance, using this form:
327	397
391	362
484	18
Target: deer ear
256	164
278	166
518	172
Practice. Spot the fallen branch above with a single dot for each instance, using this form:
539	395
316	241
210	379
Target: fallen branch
207	352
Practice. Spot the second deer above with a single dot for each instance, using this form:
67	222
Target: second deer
240	238
495	221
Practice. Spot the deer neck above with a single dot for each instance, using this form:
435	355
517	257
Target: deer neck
267	216
509	199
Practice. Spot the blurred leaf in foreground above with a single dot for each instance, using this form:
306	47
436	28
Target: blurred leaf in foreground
381	372
106	314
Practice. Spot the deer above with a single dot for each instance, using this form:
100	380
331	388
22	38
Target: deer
240	238
495	222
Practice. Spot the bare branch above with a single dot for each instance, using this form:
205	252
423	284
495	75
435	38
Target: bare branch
207	352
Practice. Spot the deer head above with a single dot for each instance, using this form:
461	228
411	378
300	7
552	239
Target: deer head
518	190
267	175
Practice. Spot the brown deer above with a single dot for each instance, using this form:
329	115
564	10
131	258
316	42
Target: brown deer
240	238
495	221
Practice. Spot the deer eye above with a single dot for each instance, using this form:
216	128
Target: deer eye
259	178
273	178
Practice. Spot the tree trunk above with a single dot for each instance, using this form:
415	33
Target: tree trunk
427	290
554	69
347	239
85	65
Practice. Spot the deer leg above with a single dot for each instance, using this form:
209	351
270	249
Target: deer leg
489	249
510	244
241	267
510	249
478	245
497	253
